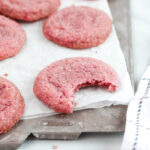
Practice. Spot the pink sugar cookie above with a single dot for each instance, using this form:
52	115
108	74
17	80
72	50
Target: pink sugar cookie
11	105
78	27
57	83
28	10
12	37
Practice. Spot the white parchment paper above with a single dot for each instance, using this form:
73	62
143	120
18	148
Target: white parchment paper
38	52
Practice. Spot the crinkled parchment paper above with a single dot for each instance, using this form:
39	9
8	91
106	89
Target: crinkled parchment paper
38	52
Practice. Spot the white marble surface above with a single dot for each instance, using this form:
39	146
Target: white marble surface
141	54
140	11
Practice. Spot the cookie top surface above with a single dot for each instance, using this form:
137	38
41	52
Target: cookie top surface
11	105
78	27
28	10
12	37
56	84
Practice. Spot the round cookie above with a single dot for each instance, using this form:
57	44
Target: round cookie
12	37
56	84
11	105
78	27
28	10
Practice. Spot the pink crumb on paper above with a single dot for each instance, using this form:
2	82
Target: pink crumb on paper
54	146
6	74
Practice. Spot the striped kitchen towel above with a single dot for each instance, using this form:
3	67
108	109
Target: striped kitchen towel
137	132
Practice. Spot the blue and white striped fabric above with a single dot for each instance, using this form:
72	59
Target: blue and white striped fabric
137	133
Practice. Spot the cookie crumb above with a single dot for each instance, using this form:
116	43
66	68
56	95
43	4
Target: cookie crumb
54	146
5	74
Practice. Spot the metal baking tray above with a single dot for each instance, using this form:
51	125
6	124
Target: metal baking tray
107	119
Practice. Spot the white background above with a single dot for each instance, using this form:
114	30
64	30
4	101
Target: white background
140	11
